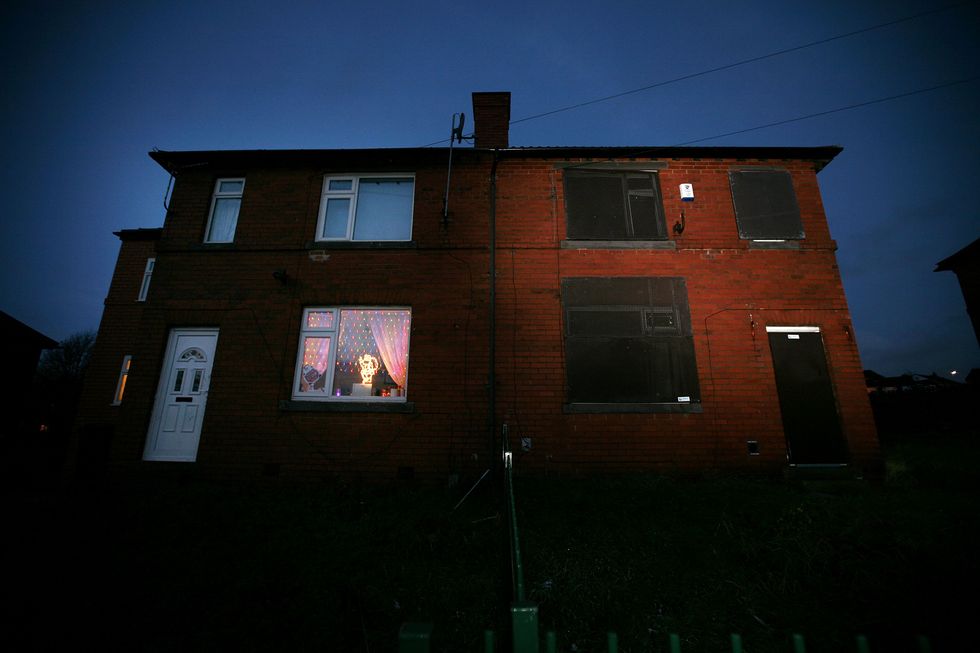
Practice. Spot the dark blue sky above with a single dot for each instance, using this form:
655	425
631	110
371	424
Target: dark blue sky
89	88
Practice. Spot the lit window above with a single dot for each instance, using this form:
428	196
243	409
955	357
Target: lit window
612	205
225	203
765	205
147	275
121	384
366	208
628	340
353	354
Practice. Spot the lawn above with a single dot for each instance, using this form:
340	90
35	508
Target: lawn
193	565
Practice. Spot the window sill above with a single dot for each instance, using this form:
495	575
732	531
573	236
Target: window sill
784	244
200	247
618	244
366	244
348	406
581	408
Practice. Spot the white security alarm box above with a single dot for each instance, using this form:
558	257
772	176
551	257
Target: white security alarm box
687	192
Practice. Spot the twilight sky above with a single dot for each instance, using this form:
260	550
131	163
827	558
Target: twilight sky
90	87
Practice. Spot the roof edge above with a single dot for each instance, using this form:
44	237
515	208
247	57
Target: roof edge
176	161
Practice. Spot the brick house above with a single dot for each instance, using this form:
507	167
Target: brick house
317	313
965	264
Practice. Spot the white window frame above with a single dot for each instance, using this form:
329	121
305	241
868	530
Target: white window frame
123	378
355	179
147	276
333	332
792	329
215	196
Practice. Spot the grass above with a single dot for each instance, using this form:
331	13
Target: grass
206	566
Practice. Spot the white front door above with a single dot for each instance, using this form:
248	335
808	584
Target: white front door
175	428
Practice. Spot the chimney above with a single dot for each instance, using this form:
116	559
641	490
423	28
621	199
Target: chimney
491	119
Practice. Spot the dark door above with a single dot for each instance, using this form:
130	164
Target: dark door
806	399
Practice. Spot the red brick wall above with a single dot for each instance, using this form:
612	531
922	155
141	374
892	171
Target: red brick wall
119	336
734	293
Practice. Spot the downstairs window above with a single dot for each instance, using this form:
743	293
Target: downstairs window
628	341
353	354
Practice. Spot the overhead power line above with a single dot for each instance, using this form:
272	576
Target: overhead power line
743	62
729	66
829	111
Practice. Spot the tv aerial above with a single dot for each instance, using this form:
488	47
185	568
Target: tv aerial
457	131
455	136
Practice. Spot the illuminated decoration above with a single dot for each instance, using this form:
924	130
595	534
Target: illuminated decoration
342	346
310	374
369	367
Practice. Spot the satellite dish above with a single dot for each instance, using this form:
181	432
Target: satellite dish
457	132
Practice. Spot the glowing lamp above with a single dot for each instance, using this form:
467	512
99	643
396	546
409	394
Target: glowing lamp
369	367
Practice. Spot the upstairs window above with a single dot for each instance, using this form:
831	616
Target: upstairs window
765	205
353	354
366	208
147	275
225	203
628	340
611	205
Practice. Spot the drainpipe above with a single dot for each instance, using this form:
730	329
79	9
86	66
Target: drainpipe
492	376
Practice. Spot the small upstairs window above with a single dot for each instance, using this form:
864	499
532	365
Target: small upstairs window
613	205
366	208
121	383
225	203
765	205
147	275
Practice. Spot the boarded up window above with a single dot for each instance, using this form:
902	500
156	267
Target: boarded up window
629	340
765	205
610	205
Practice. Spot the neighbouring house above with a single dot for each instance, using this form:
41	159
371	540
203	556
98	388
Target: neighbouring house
24	438
965	264
339	313
921	405
22	347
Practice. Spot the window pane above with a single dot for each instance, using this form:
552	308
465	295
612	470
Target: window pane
319	319
372	353
340	184
595	207
316	356
179	381
598	322
224	220
384	209
644	202
765	204
607	370
196	384
231	186
335	220
122	387
606	291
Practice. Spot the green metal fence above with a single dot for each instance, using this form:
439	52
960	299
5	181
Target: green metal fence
415	638
525	632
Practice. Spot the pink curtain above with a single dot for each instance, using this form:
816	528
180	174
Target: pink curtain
316	352
390	330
